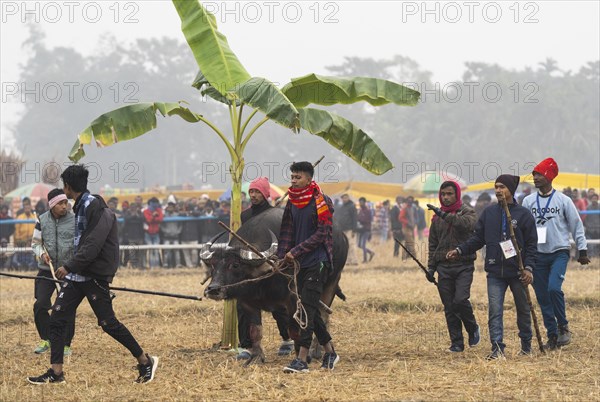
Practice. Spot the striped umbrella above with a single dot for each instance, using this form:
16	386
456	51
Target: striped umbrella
430	181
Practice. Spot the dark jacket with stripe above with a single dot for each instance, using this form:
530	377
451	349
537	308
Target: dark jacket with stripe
488	232
97	249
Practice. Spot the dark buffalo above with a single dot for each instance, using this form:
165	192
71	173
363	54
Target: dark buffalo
231	263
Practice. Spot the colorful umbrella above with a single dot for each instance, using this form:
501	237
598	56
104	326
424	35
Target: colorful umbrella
34	191
429	182
275	192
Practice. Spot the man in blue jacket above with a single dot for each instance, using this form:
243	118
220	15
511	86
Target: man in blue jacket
556	217
88	274
501	264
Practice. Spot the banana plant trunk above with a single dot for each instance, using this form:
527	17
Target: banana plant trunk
229	336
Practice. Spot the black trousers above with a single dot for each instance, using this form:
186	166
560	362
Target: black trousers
43	291
310	286
454	286
247	318
65	307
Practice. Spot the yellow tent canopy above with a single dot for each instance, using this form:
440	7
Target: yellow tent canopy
574	180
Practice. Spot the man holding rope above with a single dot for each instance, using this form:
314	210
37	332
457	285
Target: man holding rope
306	238
501	265
88	274
52	243
451	225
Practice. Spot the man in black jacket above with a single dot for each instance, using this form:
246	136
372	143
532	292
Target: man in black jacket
88	274
451	225
501	264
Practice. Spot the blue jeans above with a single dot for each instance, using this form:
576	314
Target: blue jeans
153	239
363	238
496	290
548	277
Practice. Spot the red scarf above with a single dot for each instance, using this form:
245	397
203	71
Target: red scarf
300	197
451	209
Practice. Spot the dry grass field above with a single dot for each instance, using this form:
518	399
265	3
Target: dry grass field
390	334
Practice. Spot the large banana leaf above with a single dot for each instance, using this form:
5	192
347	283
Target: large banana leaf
126	123
263	95
210	47
327	91
346	137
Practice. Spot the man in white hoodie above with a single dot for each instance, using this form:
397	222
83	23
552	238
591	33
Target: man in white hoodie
555	217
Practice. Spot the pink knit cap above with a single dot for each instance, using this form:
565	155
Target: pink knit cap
261	184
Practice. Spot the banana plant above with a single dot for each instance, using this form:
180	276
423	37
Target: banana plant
223	78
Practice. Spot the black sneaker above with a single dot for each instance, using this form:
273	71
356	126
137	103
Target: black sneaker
47	378
564	335
552	343
495	355
525	348
330	360
147	370
455	349
296	366
475	338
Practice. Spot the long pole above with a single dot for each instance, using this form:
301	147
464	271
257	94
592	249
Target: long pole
513	239
52	271
415	258
147	292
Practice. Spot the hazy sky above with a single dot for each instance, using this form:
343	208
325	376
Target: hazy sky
284	39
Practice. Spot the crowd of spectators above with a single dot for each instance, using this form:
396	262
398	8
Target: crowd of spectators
152	221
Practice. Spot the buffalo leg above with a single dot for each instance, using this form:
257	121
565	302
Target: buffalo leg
256	352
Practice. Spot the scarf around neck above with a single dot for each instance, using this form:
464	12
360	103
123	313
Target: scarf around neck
301	197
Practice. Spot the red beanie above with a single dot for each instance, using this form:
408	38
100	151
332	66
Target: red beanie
547	168
261	184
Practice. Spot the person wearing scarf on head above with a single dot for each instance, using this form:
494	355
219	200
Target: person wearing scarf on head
306	237
556	218
451	225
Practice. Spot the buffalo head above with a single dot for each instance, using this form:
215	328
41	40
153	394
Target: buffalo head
231	263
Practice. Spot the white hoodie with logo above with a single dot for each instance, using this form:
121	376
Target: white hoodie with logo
560	218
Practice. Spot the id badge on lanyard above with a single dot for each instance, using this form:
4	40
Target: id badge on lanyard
542	231
508	249
507	246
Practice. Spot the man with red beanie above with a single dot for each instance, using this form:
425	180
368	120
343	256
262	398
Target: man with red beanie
259	192
451	225
556	217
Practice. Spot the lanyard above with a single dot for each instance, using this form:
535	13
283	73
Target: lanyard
504	219
540	214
